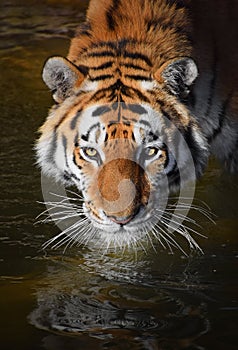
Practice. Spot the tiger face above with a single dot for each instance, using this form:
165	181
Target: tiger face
121	165
125	158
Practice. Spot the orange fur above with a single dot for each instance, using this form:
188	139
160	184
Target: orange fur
160	30
124	93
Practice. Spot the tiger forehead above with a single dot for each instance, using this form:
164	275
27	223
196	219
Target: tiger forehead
120	131
119	113
116	120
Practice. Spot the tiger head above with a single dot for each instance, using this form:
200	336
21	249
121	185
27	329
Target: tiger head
125	142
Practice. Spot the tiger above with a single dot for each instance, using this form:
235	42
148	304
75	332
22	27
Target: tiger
133	120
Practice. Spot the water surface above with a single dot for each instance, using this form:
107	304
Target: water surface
83	299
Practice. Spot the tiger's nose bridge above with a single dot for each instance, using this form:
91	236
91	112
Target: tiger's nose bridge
123	204
120	184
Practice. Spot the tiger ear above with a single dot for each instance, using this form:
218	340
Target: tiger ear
178	75
61	76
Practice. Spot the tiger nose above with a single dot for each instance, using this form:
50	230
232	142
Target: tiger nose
123	220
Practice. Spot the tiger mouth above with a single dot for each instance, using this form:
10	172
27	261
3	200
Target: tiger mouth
125	224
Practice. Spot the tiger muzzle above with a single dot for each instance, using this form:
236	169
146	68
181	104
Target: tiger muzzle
124	189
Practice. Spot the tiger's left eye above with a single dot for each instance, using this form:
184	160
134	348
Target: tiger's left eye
90	152
151	151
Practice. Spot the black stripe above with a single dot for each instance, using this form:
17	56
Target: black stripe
114	88
174	169
161	23
100	110
84	29
137	77
83	137
151	24
68	176
102	77
51	153
103	66
106	137
114	106
113	133
173	175
126	91
197	153
137	55
105	53
75	119
140	95
174	117
136	108
112	123
91	128
110	20
66	115
65	142
111	89
164	147
74	160
83	69
110	14
132	65
76	138
106	45
144	122
85	33
119	112
222	118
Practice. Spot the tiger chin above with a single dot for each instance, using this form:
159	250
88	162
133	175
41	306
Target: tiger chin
121	129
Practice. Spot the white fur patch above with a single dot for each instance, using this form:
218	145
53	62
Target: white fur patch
89	86
148	85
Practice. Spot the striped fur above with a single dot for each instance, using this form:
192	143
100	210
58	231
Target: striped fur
124	126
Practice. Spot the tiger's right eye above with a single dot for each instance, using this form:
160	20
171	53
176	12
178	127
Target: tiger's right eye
91	154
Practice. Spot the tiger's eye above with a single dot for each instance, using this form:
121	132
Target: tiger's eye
151	151
91	152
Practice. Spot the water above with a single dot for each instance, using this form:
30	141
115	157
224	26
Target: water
82	299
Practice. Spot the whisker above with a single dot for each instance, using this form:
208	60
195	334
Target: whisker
73	238
170	239
87	235
183	232
77	194
157	236
169	219
207	213
66	198
66	234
